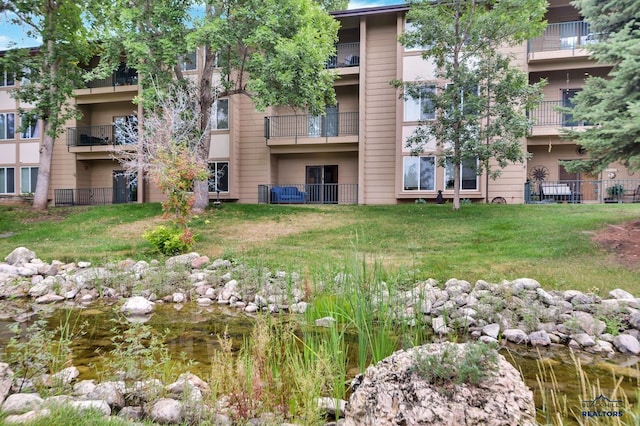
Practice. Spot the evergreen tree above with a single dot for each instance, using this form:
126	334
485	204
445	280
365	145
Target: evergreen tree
611	105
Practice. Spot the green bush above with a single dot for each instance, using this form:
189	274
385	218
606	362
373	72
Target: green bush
470	365
168	241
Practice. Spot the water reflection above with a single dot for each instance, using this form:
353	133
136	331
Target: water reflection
194	330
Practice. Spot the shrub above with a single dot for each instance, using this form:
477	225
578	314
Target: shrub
468	364
169	241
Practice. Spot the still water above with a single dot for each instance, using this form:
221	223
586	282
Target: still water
193	331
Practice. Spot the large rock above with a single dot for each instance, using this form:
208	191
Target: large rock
137	305
20	403
392	393
627	344
20	256
167	411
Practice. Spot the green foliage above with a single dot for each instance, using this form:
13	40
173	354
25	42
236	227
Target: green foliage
168	241
471	364
615	190
480	113
37	350
53	73
610	104
139	353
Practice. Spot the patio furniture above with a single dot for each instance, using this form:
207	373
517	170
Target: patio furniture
559	192
287	195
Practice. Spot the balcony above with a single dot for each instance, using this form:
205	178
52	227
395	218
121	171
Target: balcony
339	127
95	136
547	119
123	76
562	40
347	56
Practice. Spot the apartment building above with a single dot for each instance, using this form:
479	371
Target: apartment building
353	154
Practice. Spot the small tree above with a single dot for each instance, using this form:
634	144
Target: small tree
479	100
166	151
612	104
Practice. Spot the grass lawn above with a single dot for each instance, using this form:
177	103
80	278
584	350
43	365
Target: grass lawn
551	243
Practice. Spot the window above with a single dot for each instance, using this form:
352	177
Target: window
7	180
189	62
419	173
410	28
30	127
219	176
125	129
220	115
469	98
468	175
28	179
420	108
6	78
7	125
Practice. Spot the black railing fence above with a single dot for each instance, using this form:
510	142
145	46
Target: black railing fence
309	126
92	196
583	191
327	193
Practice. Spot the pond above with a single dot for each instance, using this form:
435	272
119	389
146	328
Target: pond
193	330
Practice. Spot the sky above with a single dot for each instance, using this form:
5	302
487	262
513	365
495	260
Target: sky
10	33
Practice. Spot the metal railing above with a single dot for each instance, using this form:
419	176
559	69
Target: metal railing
122	77
96	136
582	191
563	36
93	196
309	126
547	114
347	55
322	193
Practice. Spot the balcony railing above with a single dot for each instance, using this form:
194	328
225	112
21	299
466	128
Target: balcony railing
563	36
320	193
93	196
95	136
547	114
123	76
347	55
582	191
311	126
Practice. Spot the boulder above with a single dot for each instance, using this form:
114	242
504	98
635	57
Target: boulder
20	256
20	403
627	344
167	411
137	305
392	393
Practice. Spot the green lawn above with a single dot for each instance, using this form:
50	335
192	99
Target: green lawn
551	243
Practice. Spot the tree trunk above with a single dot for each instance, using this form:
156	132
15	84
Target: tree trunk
40	198
456	186
201	188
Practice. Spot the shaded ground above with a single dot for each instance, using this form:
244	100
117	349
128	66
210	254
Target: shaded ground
623	241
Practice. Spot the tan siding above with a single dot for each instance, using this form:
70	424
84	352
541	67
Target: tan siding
380	121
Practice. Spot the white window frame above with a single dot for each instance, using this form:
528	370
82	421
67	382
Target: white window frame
29	179
4	123
216	115
189	62
465	170
7	79
421	108
214	168
4	180
32	131
417	163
